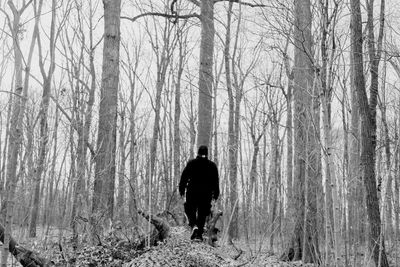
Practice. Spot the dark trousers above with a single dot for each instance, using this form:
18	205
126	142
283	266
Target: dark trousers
197	209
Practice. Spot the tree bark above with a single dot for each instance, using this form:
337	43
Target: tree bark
121	172
303	243
368	139
386	139
104	183
16	111
232	144
206	73
44	107
80	202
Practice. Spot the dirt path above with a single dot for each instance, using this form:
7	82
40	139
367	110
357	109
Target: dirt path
179	251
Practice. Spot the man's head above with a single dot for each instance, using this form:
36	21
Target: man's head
203	152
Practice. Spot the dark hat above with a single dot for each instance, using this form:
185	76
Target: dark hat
203	151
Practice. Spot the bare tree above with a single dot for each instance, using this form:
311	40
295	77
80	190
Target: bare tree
15	132
368	135
304	240
104	183
43	112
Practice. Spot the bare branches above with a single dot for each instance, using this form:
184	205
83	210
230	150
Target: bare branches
89	145
242	3
169	16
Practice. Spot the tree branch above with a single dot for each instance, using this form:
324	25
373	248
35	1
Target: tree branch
89	145
169	16
241	3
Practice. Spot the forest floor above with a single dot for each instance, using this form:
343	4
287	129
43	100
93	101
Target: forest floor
177	250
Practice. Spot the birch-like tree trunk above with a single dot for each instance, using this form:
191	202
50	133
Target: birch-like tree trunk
104	182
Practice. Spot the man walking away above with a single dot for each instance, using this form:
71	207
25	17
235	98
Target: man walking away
200	181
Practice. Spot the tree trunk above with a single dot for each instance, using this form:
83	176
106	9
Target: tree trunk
16	113
104	182
50	203
15	137
388	190
177	114
206	73
289	144
368	139
331	202
396	206
232	145
313	177
273	177
303	81
44	107
80	201
121	172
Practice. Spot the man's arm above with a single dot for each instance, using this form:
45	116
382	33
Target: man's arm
184	180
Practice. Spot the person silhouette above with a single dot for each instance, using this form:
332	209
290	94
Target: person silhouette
200	181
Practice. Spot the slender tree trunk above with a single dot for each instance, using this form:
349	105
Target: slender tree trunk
15	135
273	177
331	202
43	112
161	73
289	144
104	182
177	114
313	177
50	203
388	195
368	139
345	175
15	120
396	207
121	173
80	200
232	145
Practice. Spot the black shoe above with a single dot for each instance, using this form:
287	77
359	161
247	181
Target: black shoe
199	236
195	231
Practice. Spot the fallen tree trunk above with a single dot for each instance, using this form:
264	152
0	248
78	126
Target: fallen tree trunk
23	255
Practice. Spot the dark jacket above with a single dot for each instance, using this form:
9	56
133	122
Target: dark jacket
200	179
